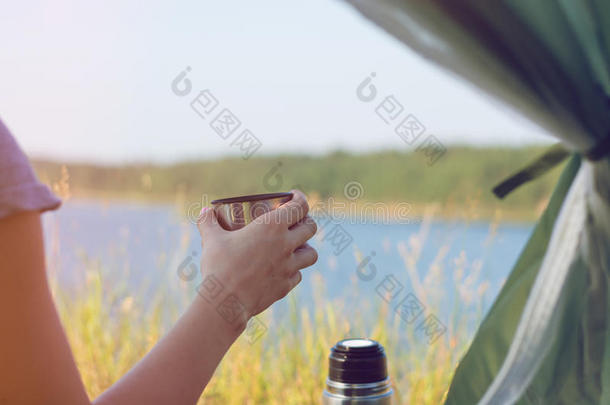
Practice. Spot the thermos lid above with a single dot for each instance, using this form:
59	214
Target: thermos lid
355	361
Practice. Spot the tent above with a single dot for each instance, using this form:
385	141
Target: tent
546	338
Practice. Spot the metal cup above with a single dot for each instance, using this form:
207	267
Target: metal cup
236	212
357	374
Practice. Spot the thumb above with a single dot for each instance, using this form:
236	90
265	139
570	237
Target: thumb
207	223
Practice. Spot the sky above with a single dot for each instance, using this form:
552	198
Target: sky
92	81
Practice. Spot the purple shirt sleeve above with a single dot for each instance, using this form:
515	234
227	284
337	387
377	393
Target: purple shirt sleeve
20	190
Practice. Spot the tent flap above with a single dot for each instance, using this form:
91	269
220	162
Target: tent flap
546	339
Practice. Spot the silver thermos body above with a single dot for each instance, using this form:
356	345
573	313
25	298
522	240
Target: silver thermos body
357	374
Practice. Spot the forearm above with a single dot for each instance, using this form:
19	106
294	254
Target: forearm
179	367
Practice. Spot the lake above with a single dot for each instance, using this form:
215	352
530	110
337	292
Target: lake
453	264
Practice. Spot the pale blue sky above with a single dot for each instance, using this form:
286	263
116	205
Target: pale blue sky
91	80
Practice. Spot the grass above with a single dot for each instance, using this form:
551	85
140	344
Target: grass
110	329
110	333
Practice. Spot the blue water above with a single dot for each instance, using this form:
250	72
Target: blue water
141	246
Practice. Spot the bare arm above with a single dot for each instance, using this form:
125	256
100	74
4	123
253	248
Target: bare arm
248	270
255	266
36	364
181	364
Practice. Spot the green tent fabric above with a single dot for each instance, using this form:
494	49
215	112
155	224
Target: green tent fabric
546	339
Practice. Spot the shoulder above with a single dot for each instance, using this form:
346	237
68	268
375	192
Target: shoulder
20	190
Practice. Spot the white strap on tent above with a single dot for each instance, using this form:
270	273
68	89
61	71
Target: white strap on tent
537	328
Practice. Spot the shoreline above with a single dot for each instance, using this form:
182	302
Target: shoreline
416	213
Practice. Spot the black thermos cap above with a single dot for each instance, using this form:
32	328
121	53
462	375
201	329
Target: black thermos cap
357	361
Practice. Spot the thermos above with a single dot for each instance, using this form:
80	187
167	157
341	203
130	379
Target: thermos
357	374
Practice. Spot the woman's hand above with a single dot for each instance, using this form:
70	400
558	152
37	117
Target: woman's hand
255	266
244	272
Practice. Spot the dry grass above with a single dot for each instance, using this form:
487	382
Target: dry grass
110	330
